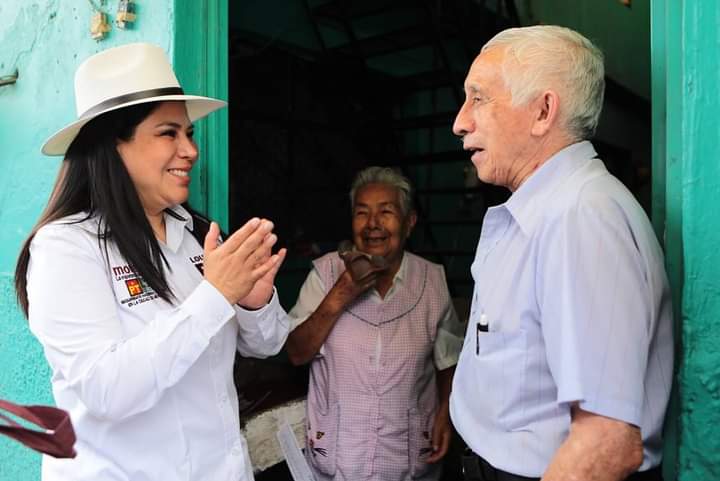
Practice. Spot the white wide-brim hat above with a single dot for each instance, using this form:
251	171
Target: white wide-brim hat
131	74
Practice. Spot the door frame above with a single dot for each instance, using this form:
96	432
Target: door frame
200	57
667	101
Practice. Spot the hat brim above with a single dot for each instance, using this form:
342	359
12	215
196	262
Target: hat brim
197	108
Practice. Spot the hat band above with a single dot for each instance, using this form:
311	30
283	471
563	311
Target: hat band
127	98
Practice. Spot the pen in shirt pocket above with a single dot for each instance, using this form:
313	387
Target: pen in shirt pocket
480	326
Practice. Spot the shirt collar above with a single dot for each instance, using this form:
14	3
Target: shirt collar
402	270
175	226
526	203
398	279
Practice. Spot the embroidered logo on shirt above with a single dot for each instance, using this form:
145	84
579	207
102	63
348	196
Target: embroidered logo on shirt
122	271
129	281
319	434
197	261
314	450
134	287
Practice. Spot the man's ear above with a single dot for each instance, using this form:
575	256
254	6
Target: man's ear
546	108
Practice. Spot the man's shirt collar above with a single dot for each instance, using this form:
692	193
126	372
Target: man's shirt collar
526	203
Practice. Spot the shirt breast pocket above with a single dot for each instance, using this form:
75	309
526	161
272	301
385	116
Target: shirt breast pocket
502	361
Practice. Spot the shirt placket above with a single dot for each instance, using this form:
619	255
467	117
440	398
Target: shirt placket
376	363
496	224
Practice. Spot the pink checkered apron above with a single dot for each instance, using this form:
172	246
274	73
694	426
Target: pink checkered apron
370	415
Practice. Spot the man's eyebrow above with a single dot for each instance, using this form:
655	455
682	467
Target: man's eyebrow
474	89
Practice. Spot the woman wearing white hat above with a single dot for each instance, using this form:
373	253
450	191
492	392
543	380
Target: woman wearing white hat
139	321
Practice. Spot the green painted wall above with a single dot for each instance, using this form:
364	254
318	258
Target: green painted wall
690	139
666	197
686	71
44	40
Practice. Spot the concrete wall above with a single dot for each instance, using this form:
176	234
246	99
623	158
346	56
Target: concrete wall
44	40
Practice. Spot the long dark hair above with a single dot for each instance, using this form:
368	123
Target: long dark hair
93	179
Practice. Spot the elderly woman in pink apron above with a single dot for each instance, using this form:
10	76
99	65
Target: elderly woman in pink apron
382	340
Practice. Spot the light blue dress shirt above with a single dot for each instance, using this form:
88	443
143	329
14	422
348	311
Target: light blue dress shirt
570	282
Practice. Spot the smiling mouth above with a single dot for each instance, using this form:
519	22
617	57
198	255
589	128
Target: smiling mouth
179	173
374	240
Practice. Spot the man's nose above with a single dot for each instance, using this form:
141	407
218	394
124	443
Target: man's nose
463	122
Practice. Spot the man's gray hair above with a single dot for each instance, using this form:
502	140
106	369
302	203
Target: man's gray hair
548	56
386	176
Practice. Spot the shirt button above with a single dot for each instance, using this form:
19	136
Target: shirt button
223	399
236	450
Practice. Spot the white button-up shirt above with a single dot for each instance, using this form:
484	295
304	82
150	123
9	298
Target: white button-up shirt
571	304
149	385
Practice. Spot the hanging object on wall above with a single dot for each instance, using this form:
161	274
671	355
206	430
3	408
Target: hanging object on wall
99	26
8	79
125	13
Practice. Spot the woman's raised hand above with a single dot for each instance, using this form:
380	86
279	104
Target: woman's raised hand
243	268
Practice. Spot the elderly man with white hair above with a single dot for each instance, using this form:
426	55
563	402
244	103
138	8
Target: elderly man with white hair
566	368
